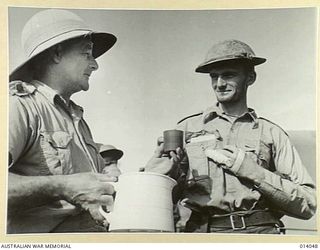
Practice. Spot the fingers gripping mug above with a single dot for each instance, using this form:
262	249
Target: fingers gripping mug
143	203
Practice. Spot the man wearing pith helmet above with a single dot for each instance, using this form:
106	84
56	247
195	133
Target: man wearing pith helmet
243	172
55	184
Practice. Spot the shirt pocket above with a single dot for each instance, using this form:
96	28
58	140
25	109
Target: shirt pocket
250	148
264	156
55	146
259	151
198	161
200	181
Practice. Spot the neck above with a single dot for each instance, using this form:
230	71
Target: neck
55	83
234	109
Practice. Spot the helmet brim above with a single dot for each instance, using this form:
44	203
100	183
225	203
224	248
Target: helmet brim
114	154
206	67
102	42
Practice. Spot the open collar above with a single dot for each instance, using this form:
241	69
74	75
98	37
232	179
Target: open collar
216	111
56	99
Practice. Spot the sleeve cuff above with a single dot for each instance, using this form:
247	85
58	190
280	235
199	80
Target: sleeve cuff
238	161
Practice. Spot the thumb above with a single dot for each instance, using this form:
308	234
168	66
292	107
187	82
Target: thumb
159	151
160	140
95	213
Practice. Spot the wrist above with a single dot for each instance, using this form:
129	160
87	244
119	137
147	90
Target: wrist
253	171
235	167
59	186
245	167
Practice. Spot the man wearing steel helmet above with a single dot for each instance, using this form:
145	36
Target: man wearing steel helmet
110	155
54	181
243	174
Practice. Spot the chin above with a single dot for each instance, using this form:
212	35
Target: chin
85	87
225	99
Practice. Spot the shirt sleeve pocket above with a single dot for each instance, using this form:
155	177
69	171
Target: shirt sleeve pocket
56	151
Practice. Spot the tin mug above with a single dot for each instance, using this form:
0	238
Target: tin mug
172	139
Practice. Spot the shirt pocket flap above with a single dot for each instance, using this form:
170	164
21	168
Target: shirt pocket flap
250	145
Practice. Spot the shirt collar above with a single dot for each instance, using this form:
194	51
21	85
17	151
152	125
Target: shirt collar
57	99
215	111
44	89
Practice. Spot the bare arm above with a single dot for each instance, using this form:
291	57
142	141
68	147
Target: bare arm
85	190
31	191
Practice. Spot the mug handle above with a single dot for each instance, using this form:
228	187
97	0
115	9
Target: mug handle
104	213
107	214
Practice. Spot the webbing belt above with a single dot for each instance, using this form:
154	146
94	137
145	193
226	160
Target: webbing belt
238	222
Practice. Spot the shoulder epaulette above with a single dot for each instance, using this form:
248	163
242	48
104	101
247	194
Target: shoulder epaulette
262	118
21	88
200	113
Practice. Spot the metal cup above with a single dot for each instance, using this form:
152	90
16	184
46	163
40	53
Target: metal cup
172	139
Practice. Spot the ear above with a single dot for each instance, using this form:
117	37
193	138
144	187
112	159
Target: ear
251	77
56	53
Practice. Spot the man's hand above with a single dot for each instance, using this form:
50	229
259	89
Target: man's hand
111	171
89	191
163	163
237	162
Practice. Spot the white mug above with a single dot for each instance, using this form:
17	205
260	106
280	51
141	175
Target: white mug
143	203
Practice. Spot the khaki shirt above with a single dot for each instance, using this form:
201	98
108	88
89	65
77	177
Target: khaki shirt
287	187
46	137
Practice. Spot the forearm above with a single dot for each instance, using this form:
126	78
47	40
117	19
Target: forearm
31	191
292	199
293	195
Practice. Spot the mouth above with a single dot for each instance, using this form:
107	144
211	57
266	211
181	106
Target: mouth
223	91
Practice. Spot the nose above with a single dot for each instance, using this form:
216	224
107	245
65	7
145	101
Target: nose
93	64
221	82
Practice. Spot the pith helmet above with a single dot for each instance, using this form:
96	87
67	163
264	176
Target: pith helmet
110	151
50	27
229	50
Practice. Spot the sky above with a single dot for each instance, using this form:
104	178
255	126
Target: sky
147	82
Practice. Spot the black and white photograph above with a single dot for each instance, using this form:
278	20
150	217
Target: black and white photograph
162	121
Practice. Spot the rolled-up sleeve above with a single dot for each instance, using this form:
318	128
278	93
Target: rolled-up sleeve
290	188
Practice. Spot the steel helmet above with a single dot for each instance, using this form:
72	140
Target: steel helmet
110	151
229	50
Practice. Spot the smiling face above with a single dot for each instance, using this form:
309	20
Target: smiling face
77	64
111	167
230	82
